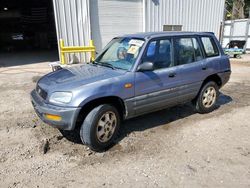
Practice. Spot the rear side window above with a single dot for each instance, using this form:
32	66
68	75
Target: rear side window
209	47
187	50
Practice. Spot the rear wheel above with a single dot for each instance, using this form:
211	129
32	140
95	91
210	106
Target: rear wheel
206	100
100	127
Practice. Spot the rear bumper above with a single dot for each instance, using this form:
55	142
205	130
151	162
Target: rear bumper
68	115
225	76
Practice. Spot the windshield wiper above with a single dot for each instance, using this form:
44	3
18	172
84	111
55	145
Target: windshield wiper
104	64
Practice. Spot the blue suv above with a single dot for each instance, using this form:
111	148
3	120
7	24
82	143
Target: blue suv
133	75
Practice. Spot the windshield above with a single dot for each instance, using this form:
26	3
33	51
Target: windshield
121	53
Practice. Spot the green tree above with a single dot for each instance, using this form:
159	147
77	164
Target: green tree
237	9
247	9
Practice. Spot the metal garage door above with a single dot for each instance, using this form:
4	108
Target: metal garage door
110	18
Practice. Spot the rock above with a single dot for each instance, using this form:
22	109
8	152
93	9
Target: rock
191	168
90	153
59	137
33	126
100	154
44	146
15	184
208	160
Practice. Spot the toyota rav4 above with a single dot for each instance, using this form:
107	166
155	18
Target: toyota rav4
133	75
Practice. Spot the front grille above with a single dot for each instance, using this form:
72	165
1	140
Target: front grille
41	92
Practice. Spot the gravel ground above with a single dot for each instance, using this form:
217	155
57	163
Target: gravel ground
171	148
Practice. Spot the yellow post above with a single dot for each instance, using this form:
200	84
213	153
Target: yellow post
91	44
76	49
61	51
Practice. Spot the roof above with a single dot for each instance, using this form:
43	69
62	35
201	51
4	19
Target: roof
166	33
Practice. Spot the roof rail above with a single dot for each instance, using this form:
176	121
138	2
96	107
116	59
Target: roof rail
209	32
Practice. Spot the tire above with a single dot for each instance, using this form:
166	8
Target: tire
238	56
207	97
100	127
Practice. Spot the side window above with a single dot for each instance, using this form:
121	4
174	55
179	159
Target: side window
159	52
209	47
187	50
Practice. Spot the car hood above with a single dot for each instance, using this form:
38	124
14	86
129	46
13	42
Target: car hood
75	76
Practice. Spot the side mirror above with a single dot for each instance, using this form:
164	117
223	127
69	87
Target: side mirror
146	66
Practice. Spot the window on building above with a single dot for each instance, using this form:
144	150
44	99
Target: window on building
159	52
209	47
172	27
187	50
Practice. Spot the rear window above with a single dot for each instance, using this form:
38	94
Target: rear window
209	46
187	50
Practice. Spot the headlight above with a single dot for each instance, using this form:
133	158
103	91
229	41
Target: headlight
60	97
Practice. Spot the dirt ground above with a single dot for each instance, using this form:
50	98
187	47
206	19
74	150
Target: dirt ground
171	148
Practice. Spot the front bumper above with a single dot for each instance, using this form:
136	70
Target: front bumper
68	114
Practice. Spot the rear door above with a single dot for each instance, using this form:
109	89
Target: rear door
213	58
159	88
191	65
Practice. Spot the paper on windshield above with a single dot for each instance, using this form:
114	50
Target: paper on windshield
136	42
133	49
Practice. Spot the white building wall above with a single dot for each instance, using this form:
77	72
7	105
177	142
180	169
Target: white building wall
72	18
111	18
193	15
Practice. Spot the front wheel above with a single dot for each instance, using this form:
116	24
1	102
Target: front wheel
206	100
100	127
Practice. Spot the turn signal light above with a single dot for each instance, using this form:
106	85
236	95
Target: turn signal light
128	85
53	117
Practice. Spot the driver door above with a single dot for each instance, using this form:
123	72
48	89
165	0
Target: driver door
157	89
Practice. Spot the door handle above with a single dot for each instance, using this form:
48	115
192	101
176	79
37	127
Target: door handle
204	68
171	75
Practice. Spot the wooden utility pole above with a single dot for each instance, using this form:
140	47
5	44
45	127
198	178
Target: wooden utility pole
238	9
